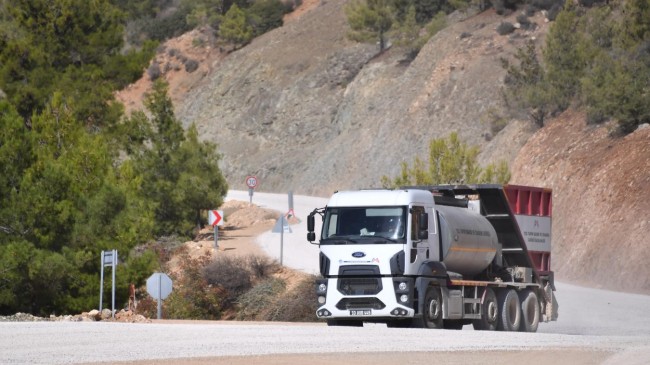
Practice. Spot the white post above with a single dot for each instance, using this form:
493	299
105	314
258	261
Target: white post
101	282
216	237
281	239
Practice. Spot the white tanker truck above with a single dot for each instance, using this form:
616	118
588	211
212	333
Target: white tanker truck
437	257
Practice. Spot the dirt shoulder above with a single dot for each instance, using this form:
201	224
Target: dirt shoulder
237	236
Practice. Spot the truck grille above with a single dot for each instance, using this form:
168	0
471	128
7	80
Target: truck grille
359	280
360	303
359	286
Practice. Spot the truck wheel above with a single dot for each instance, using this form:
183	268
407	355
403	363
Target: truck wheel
343	323
431	310
489	312
530	311
509	311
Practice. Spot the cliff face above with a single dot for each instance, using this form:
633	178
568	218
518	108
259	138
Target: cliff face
307	110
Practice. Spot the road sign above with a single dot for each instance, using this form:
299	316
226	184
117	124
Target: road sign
215	217
281	227
251	182
159	285
109	257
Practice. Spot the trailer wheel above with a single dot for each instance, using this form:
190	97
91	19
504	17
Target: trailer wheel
509	311
431	310
489	312
344	323
530	311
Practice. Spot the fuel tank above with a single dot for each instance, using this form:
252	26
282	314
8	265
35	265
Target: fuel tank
469	242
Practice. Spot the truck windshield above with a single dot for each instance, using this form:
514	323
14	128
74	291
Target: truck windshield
364	225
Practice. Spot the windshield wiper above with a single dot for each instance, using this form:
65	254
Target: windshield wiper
384	239
339	240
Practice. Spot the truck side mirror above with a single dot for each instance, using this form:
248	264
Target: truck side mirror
423	223
311	236
310	223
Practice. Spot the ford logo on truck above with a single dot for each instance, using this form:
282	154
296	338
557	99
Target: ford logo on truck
358	254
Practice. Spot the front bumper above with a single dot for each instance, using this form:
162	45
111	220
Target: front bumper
365	297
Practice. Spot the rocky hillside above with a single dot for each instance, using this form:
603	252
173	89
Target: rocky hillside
307	110
601	210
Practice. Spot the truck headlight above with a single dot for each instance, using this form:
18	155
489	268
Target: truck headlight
321	299
322	288
404	298
403	286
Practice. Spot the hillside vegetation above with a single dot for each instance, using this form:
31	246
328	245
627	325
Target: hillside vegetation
77	177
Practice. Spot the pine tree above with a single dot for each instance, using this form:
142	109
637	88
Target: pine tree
451	161
565	63
180	175
370	20
71	46
234	28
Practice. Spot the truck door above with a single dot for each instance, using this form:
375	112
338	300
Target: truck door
419	246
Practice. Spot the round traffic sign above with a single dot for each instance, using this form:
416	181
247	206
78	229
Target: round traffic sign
251	181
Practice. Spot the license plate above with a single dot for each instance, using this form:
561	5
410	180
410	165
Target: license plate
364	312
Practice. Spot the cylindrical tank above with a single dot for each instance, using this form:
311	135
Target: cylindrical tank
469	242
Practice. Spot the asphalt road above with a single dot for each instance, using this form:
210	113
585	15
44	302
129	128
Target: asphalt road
594	327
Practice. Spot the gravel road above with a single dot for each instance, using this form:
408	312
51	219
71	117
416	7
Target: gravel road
594	327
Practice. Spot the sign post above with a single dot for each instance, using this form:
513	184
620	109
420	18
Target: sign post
159	286
251	182
281	226
291	213
215	219
109	258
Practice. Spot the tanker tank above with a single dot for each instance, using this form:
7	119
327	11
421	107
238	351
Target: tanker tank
469	242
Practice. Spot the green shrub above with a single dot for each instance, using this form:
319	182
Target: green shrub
231	274
154	71
505	28
450	161
261	267
255	303
296	305
265	15
191	65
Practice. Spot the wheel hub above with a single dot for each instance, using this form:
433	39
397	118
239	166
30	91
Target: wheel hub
492	312
434	309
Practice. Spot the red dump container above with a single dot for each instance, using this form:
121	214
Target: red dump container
532	207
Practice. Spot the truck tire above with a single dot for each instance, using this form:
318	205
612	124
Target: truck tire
509	310
530	311
431	310
344	323
489	312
